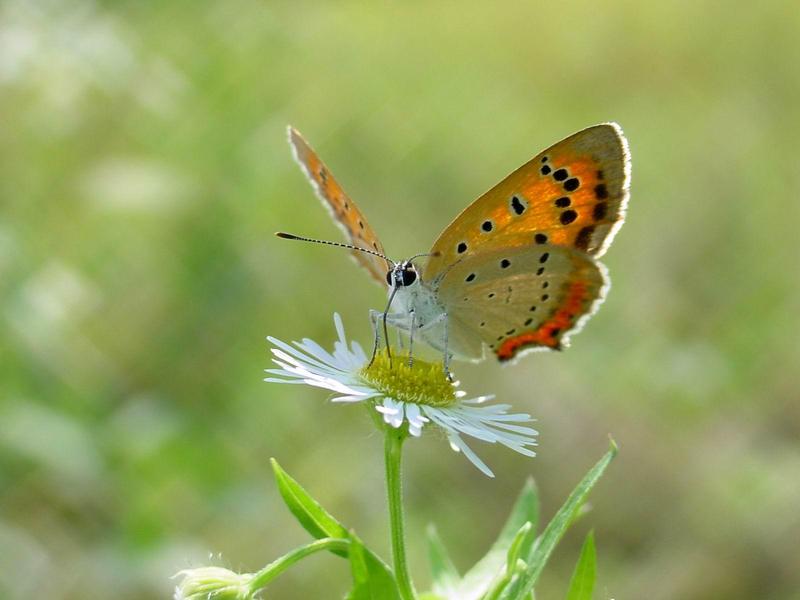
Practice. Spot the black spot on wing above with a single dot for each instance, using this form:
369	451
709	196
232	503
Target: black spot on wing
518	206
568	216
600	210
584	237
563	202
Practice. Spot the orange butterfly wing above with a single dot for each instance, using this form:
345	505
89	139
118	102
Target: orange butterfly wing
567	201
343	210
572	194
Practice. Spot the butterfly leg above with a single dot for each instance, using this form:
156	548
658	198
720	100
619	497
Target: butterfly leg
411	339
446	359
374	315
386	336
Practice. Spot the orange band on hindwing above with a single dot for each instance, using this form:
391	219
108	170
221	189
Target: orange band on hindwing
549	333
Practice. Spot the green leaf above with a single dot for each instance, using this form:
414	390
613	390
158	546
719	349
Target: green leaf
443	571
518	546
581	585
314	519
509	578
372	579
555	530
526	510
514	585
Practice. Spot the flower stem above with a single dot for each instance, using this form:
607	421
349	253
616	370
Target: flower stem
392	454
275	568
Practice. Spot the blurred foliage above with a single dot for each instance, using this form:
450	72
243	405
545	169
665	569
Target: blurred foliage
143	170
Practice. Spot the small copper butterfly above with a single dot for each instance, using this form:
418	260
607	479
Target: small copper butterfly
517	270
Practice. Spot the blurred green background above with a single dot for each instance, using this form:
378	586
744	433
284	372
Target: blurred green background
144	168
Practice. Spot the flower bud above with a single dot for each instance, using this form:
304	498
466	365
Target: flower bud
213	583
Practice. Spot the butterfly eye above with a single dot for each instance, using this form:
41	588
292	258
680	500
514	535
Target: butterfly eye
389	276
409	275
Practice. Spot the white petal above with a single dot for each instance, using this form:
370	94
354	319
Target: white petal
350	398
480	399
415	419
337	322
303	356
516	428
318	352
301	372
333	385
471	456
520	450
358	353
394	416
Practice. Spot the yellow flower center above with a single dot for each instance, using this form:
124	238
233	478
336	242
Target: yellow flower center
421	383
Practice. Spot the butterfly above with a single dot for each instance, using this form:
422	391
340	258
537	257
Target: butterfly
517	270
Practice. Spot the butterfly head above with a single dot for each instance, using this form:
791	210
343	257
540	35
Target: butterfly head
402	274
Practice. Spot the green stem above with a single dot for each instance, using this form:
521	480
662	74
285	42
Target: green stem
275	568
392	454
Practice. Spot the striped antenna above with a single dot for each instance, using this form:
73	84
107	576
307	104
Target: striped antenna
291	236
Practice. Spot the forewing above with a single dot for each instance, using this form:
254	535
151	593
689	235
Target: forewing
343	210
522	298
573	194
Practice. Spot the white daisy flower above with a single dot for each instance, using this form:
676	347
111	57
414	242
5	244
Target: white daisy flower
415	395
